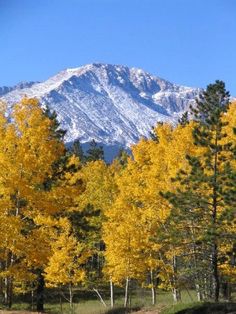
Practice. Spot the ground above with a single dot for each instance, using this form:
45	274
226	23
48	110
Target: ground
26	312
147	312
16	312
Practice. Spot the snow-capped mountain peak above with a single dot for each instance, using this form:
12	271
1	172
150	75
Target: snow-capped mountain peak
113	104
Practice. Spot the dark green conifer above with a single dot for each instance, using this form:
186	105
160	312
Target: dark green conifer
153	134
210	184
77	150
56	130
95	152
184	120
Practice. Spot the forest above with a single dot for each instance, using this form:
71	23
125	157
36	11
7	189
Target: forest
163	218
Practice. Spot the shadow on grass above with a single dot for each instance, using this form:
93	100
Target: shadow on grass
210	308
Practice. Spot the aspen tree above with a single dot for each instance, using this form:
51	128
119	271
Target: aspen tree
28	152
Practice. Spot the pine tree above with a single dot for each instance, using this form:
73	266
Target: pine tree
184	119
94	152
77	150
55	125
203	195
153	134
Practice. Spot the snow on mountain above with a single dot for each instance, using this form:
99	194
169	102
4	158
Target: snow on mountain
115	105
5	89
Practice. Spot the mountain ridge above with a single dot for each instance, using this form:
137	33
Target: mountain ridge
112	104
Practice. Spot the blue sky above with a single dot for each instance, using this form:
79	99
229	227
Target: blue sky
190	42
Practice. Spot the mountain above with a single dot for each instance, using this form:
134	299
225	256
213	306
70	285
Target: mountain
112	104
5	89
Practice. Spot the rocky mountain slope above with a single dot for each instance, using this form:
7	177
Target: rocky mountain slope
115	105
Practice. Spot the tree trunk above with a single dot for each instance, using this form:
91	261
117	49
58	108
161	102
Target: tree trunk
176	294
207	286
5	291
153	295
126	292
8	292
1	287
153	288
112	293
214	257
71	298
226	291
1	280
32	299
199	292
197	276
40	293
175	290
8	282
100	297
215	275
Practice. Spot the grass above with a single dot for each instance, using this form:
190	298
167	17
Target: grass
175	308
86	302
86	307
140	298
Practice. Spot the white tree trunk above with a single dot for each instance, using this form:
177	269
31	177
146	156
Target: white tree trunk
112	293
175	290
199	293
126	292
153	288
100	297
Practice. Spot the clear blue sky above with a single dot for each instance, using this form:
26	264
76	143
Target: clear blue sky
191	42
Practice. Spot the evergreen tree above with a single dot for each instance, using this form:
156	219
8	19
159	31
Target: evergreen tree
55	126
94	152
206	195
153	133
77	150
184	119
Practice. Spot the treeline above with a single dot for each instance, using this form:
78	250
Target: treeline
164	217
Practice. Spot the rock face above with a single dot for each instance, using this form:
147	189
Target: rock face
114	105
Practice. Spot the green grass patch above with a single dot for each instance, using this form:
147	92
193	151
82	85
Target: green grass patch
175	308
86	302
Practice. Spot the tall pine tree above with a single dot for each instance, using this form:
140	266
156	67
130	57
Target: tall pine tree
207	192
